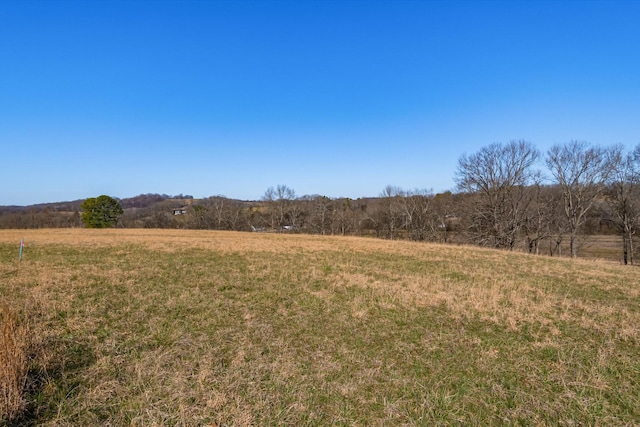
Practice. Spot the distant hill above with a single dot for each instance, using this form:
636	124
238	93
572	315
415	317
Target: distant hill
67	213
140	201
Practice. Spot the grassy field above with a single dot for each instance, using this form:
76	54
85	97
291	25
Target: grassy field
186	328
603	247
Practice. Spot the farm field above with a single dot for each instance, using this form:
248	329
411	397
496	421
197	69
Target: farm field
190	328
602	247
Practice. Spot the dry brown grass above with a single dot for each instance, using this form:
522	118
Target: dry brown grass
176	327
14	344
501	295
174	240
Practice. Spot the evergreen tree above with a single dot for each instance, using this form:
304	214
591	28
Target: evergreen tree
100	212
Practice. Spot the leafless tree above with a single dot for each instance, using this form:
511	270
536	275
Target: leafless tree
498	175
160	219
390	210
199	217
345	217
444	205
279	201
623	197
581	171
544	220
421	219
320	210
218	207
238	215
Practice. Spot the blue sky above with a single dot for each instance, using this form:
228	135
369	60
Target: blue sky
331	97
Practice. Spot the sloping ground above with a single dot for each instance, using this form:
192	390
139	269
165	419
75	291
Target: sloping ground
161	327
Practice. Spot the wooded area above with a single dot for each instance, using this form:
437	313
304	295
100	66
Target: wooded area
503	200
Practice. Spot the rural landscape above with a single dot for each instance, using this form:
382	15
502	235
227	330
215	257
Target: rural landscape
577	199
411	308
240	213
221	328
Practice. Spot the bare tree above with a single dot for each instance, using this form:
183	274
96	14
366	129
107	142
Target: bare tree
498	175
421	219
320	209
581	171
545	221
238	216
345	217
218	208
279	202
623	197
443	205
199	217
390	210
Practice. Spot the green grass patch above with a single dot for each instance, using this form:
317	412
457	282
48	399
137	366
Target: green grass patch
327	331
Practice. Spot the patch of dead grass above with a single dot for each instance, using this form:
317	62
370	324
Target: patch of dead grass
14	348
157	327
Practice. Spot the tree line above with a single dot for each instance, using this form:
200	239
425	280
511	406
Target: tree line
513	200
508	196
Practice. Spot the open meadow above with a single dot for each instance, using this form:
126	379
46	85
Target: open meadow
189	328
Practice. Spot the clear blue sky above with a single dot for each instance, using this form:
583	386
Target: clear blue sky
331	97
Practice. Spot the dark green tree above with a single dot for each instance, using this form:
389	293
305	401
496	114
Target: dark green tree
100	212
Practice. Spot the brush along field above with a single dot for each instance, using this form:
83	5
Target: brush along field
186	328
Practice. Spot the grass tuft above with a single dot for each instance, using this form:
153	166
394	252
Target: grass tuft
13	364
